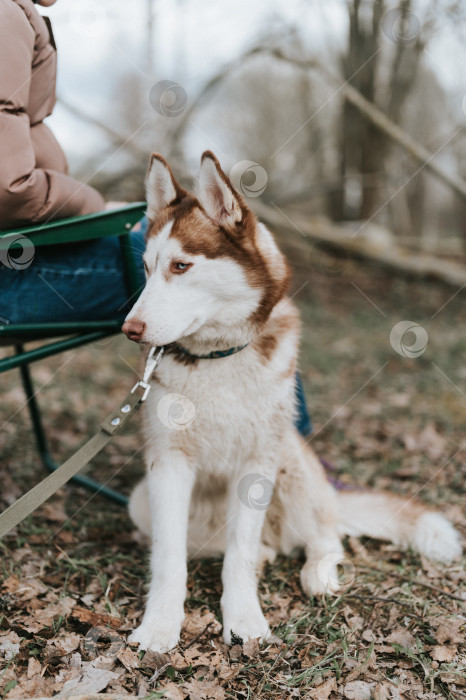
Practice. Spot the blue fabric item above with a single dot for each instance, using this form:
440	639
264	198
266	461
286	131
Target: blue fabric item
143	225
84	282
303	420
72	282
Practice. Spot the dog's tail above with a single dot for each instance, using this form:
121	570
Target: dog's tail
404	522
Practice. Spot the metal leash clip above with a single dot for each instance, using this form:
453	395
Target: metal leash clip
153	359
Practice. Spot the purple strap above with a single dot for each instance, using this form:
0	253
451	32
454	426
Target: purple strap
337	483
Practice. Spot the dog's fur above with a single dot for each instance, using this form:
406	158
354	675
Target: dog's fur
201	493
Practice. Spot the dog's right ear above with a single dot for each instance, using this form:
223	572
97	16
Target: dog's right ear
216	193
161	187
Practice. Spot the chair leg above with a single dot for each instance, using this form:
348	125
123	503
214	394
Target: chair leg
41	439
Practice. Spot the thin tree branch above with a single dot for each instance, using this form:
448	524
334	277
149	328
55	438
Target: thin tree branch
382	122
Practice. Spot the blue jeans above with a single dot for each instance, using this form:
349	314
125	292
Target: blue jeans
83	282
72	282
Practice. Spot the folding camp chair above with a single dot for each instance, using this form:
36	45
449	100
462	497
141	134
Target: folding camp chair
59	337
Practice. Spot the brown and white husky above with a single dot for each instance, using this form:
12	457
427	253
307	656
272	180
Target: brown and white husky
227	471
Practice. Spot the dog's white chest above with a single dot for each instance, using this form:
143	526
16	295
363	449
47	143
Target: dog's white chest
219	411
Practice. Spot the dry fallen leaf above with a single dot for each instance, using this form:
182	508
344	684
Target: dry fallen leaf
447	630
453	678
92	680
429	441
46	616
155	660
173	692
67	673
200	690
442	652
322	692
63	644
383	691
10	584
177	660
30	588
31	688
10	490
361	666
355	621
34	667
9	645
227	672
129	658
195	657
280	610
358	690
54	511
403	637
369	636
197	620
236	652
251	648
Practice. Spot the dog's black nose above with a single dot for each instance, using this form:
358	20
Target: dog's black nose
134	329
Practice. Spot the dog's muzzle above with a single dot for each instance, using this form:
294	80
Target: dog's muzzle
134	330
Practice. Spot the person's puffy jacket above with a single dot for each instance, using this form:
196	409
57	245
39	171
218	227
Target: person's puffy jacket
34	184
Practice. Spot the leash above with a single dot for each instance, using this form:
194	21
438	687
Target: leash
109	427
113	424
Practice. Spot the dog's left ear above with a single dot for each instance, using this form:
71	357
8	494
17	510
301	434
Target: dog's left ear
216	194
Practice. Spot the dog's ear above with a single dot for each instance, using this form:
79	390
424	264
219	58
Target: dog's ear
216	194
161	187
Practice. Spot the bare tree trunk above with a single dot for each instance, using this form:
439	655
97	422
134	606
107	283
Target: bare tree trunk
150	18
360	142
396	134
364	148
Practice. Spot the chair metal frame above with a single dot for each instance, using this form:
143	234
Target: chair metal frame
117	222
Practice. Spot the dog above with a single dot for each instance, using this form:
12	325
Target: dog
227	471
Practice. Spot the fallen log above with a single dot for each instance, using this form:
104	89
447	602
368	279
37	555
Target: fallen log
370	242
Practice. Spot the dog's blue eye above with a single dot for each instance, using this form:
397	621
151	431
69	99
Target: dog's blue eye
177	266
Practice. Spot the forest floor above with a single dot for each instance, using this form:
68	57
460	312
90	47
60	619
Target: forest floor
73	575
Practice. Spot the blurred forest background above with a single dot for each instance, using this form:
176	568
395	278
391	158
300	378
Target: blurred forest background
353	110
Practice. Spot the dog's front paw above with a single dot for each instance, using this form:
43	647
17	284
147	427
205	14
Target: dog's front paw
156	636
246	624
